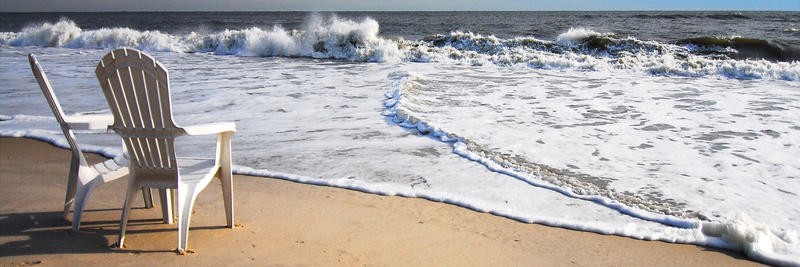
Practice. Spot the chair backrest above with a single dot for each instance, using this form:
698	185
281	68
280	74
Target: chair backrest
55	106
136	87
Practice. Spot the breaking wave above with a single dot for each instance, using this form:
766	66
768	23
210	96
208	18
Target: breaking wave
585	49
343	39
743	48
321	38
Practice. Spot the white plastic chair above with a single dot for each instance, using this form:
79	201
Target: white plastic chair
136	87
82	177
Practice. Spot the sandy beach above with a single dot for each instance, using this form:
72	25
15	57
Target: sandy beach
286	223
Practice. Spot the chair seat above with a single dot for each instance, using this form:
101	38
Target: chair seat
117	166
195	170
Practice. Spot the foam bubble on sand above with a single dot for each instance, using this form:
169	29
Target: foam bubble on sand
757	240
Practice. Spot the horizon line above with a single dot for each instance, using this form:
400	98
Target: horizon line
554	10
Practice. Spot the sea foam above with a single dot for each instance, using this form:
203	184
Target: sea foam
757	240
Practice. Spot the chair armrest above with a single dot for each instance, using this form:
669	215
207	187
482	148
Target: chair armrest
224	131
89	121
210	128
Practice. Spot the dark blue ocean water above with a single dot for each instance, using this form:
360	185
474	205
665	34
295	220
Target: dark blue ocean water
664	26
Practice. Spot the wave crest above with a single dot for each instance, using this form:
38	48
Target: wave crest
47	34
743	48
584	49
577	34
320	38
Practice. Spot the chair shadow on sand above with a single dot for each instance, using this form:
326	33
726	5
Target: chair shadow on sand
43	233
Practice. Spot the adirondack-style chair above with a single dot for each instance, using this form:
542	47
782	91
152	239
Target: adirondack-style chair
83	178
136	87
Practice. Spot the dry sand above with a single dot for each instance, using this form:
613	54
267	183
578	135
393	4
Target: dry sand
286	223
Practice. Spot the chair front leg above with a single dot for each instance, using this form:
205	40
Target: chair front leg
226	173
72	184
133	186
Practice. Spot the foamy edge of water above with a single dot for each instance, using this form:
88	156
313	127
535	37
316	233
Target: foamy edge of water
754	239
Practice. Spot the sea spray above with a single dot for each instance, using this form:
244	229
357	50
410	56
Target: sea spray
56	34
65	33
321	37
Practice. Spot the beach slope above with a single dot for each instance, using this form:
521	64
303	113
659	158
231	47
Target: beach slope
286	223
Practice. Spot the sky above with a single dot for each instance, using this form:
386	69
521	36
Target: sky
390	5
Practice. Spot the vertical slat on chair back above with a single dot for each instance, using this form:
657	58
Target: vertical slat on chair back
52	101
136	87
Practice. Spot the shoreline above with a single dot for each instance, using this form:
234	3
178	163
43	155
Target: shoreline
288	223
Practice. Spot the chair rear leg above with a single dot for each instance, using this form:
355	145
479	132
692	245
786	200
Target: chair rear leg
148	198
166	205
227	195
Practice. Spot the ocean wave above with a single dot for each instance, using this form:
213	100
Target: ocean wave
320	38
672	16
330	37
743	48
65	33
663	16
584	49
343	39
728	16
